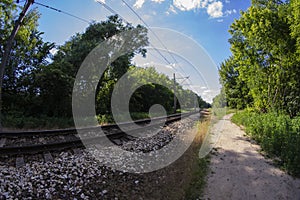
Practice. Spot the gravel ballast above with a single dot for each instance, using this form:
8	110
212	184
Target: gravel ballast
81	176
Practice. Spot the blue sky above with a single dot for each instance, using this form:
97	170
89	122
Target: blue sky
206	22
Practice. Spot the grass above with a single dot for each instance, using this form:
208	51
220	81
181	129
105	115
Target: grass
199	167
184	178
277	134
16	121
219	113
198	183
25	123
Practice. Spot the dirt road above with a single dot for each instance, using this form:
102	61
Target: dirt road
239	171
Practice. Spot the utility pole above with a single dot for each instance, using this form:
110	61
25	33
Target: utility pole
175	99
174	80
195	102
7	49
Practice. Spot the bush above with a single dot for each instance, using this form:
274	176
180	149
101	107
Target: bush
43	122
278	135
105	119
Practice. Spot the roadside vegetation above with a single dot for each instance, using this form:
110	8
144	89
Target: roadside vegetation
262	76
199	166
278	135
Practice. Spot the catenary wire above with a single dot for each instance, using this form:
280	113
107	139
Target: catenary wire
61	11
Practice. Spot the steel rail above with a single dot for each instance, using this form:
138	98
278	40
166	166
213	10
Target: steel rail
9	134
78	142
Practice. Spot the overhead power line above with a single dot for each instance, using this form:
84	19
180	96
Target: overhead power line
107	7
18	1
158	39
155	35
64	12
112	11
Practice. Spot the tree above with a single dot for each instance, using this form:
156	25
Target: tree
265	60
294	20
56	80
156	89
27	53
236	90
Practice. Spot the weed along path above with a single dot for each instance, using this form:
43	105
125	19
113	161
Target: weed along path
239	171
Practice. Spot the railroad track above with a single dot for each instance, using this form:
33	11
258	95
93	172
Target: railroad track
36	142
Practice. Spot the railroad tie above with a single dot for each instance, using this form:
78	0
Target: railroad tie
117	141
42	140
20	162
77	151
62	138
2	142
48	157
130	137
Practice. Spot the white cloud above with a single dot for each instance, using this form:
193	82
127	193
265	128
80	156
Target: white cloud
139	3
158	1
220	20
229	12
101	1
186	5
204	3
206	93
214	9
171	10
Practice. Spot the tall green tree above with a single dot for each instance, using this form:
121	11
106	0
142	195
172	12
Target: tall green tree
56	79
234	88
294	19
28	52
264	47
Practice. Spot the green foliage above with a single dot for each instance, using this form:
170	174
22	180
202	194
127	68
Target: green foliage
28	53
198	182
264	66
17	120
156	89
220	100
262	75
56	80
37	92
278	135
105	119
149	94
234	88
294	20
200	167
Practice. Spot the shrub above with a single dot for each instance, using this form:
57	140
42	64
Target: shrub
278	135
43	122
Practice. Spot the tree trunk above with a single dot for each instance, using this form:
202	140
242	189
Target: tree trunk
7	50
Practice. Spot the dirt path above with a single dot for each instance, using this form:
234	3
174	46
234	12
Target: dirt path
239	171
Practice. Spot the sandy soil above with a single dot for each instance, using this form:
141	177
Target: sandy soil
239	171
